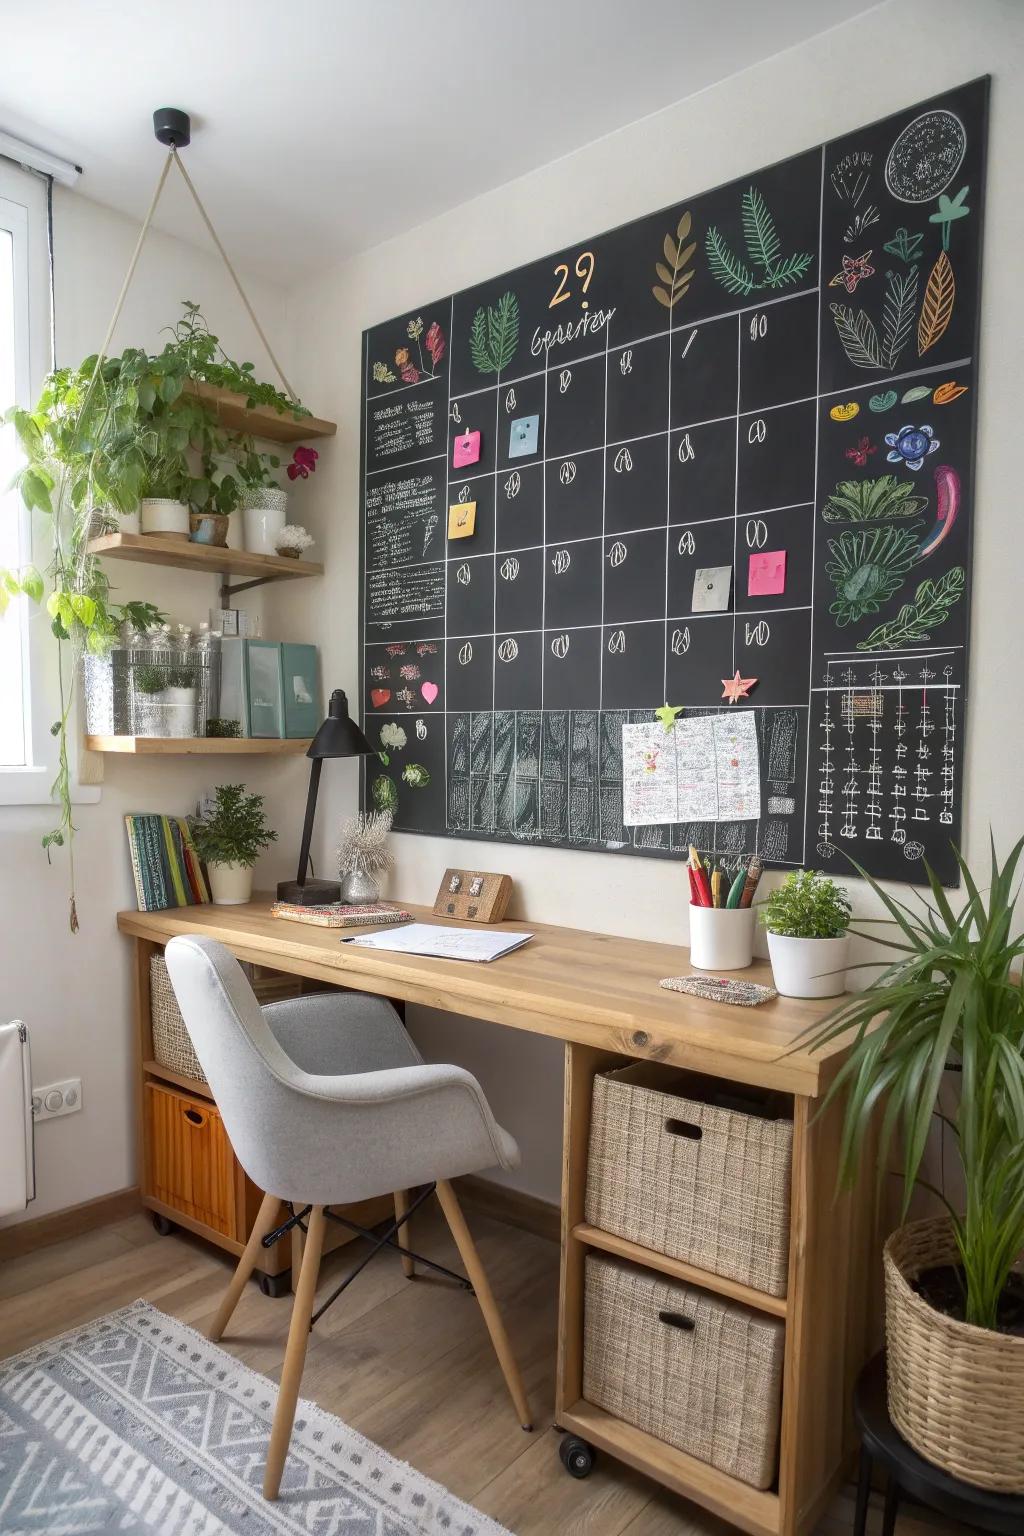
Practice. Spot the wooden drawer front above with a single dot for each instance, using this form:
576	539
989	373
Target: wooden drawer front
192	1166
701	1373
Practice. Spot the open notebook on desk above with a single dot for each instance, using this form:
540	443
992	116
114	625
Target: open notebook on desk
445	943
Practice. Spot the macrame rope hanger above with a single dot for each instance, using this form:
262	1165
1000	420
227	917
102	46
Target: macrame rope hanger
173	128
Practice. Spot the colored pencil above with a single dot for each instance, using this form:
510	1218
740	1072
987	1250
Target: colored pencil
750	883
700	878
736	889
716	888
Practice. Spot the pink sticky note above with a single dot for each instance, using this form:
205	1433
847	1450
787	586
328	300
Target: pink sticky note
467	449
766	574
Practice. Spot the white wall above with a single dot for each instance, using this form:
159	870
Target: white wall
884	61
75	991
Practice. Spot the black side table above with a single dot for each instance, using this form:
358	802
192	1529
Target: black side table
909	1474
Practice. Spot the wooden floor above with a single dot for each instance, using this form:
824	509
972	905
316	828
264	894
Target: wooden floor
406	1363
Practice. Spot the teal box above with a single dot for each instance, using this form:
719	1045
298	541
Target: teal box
265	688
301	678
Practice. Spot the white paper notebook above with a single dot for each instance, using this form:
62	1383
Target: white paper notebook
446	943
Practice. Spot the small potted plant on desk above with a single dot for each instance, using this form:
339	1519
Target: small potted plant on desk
229	838
807	920
264	502
950	1009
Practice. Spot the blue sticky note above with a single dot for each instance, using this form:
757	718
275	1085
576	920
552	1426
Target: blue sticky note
522	438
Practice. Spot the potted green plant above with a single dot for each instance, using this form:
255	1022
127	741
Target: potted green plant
950	1005
807	919
229	838
165	700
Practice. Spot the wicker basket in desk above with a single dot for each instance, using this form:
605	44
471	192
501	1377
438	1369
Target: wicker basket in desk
699	1372
172	1046
696	1180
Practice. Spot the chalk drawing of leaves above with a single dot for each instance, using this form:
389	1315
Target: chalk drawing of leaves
676	280
494	334
937	305
898	314
763	252
858	335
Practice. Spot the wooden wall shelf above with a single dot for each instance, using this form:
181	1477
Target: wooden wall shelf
198	746
151	549
262	420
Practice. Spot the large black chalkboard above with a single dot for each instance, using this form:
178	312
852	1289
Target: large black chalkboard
787	363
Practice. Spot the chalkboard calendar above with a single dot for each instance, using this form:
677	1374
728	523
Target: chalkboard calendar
725	449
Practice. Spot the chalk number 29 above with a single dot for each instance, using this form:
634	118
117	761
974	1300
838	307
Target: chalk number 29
584	270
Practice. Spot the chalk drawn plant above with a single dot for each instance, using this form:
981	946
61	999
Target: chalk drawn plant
767	267
882	499
868	567
913	624
675	277
494	334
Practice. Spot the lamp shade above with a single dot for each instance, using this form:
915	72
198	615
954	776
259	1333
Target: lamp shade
339	736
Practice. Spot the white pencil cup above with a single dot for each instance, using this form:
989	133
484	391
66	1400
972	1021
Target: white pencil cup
721	938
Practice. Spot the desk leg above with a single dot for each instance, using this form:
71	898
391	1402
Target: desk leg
582	1064
833	1248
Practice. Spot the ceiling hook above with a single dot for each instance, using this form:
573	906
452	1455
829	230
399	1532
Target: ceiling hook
172	127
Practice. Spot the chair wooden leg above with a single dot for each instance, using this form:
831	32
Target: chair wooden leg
294	1355
266	1219
488	1306
401	1206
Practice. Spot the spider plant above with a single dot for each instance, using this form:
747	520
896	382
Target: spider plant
949	999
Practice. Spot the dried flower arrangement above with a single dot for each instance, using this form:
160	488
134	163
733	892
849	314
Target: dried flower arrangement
293	540
363	847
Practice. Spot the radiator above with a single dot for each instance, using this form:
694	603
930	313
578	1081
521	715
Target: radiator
17	1160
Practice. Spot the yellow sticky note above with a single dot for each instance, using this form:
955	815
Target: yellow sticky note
461	519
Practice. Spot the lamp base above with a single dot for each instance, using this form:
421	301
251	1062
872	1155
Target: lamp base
314	893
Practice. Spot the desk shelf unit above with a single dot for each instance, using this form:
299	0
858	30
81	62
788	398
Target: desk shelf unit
600	996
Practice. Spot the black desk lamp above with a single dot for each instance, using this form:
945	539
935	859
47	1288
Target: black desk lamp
339	736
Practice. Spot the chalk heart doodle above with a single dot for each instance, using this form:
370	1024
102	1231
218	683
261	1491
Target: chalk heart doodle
567	472
560	647
623	462
926	156
513	485
509	569
561	561
429	691
379	697
508	650
617	554
564	380
680	641
617	643
421	730
687	543
463	575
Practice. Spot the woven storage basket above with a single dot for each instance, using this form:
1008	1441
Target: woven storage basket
956	1392
689	1178
699	1372
172	1046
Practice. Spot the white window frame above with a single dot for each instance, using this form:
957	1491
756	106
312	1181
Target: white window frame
23	212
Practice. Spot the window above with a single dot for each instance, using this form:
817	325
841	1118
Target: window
27	666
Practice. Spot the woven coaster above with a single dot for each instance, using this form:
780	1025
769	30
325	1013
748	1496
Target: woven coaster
721	989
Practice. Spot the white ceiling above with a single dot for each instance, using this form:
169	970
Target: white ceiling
322	127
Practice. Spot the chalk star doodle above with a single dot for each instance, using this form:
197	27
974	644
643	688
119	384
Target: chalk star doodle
736	688
853	271
667	714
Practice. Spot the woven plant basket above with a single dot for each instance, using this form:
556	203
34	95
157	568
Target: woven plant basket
956	1392
693	1179
172	1046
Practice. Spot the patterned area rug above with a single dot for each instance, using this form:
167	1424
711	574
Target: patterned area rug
138	1423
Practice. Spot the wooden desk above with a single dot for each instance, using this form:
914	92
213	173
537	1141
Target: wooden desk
600	995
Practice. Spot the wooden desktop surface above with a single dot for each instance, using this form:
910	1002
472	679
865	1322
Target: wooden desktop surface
591	988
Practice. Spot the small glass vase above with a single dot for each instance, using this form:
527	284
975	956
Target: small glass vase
358	888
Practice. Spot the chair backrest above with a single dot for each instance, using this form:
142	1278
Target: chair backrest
246	1068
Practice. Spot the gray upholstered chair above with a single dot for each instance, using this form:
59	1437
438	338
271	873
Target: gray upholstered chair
326	1101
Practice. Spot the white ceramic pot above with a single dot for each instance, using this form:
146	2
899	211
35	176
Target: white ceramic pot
230	884
265	514
721	938
236	531
179	711
808	967
158	514
128	522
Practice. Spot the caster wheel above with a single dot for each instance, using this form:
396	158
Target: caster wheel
577	1456
162	1225
276	1285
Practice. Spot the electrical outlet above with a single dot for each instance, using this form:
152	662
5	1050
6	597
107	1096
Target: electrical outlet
57	1099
